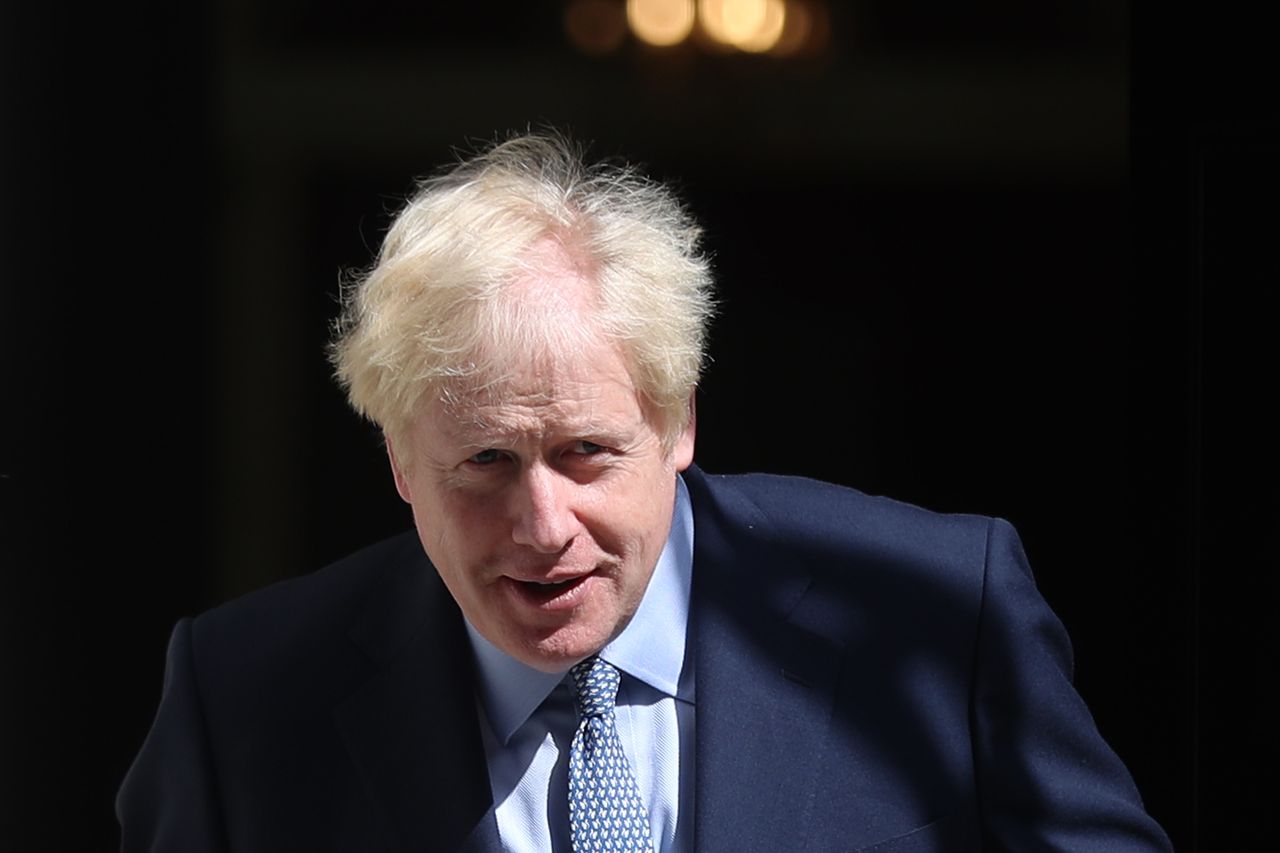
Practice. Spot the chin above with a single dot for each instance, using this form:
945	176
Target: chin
564	648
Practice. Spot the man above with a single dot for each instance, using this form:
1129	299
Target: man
797	666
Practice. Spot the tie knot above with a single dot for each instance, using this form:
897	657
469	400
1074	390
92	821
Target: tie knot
595	684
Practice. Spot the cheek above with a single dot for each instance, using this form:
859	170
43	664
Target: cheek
464	528
636	524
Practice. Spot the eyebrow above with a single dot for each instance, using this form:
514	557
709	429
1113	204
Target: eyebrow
478	430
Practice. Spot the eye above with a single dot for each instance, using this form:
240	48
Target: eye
587	448
485	457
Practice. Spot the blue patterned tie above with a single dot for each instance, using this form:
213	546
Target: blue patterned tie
605	810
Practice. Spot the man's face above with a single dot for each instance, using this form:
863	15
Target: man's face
544	504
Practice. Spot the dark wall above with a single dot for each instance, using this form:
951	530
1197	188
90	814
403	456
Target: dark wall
1206	149
961	262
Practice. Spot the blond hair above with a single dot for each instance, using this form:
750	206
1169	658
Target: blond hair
436	308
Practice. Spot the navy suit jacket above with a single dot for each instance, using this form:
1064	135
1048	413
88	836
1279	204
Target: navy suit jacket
870	676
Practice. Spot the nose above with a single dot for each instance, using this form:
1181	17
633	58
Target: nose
545	519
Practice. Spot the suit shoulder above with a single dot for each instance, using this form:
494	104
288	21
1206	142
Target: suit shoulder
309	596
803	509
300	617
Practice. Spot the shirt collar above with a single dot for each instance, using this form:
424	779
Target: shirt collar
651	647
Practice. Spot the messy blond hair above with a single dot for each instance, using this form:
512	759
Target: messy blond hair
435	310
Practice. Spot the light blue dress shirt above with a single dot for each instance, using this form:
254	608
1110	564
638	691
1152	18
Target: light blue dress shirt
529	721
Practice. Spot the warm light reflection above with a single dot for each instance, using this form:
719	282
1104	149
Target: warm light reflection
595	26
661	22
790	29
730	21
770	30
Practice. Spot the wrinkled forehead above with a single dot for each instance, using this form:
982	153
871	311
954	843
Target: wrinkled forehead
540	374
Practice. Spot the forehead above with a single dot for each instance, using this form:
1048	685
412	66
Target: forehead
588	386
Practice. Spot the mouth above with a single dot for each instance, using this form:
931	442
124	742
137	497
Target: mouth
552	595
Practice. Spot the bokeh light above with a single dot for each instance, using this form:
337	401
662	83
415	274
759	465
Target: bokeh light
780	29
770	29
805	30
661	22
731	22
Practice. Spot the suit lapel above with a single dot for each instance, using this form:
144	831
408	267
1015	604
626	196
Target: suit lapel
765	684
412	730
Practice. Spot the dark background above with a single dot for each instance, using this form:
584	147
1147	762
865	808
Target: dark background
1005	256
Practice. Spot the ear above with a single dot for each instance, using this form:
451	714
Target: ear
397	471
682	452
